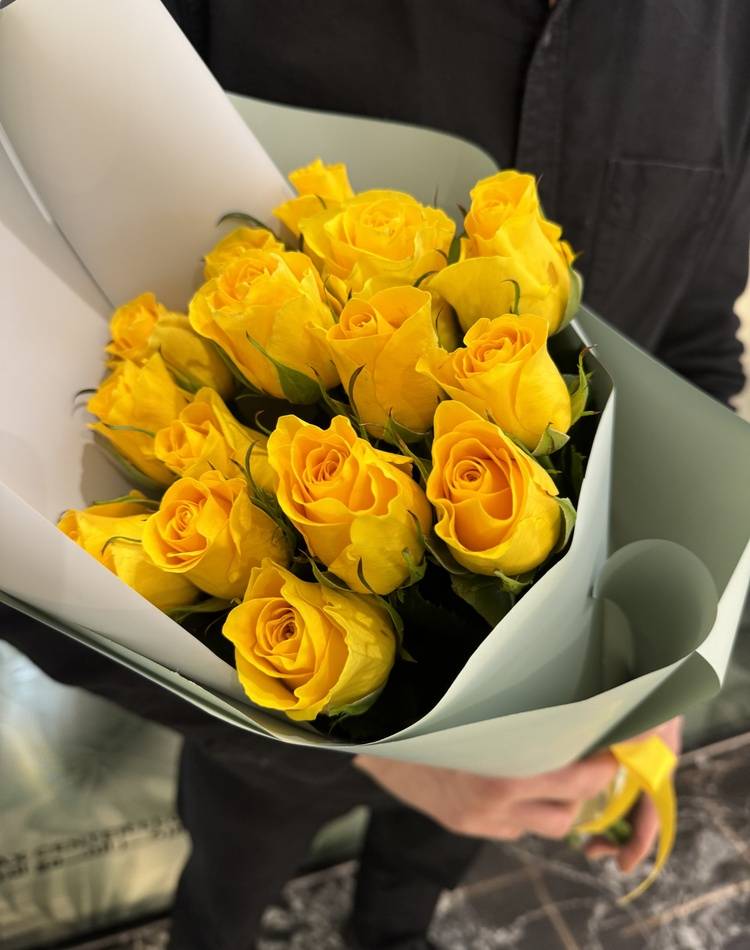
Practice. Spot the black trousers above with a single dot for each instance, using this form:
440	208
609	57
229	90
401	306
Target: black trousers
252	806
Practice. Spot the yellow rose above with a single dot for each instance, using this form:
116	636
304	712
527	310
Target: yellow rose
277	301
143	327
352	503
306	649
142	400
504	369
237	244
376	233
206	436
509	239
496	506
94	527
318	186
208	529
386	334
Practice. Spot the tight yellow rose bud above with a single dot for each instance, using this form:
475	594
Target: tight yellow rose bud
263	310
306	649
208	529
504	369
508	239
496	506
132	404
206	436
376	233
386	335
101	529
319	187
143	327
353	504
236	245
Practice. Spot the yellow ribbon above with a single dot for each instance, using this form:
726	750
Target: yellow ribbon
649	769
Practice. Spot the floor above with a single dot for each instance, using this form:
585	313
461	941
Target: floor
542	896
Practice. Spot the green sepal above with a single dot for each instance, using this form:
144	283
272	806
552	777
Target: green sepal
245	219
550	441
335	406
134	475
416	571
484	594
119	537
574	299
395	617
115	428
441	554
463	210
423	277
517	293
235	371
514	585
399	436
213	605
619	832
183	379
356	708
454	252
297	387
568	513
326	578
127	499
578	388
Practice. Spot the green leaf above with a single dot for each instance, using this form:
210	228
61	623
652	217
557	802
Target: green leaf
568	520
550	441
135	476
578	387
212	605
574	299
514	585
485	594
517	293
244	218
297	387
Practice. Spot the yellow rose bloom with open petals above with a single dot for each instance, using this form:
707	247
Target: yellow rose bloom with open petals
508	239
208	529
141	400
307	649
353	504
495	504
237	244
262	310
383	336
207	436
504	369
376	233
101	530
318	186
143	327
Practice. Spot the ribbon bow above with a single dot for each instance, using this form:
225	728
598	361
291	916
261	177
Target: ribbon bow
648	766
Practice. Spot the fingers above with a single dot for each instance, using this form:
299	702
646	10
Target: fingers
645	829
548	819
599	848
574	783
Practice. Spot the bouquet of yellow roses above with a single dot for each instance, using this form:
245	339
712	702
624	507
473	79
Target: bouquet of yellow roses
345	463
349	456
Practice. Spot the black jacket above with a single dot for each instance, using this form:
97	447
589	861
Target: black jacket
635	113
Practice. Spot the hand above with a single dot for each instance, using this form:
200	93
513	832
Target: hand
644	819
500	808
